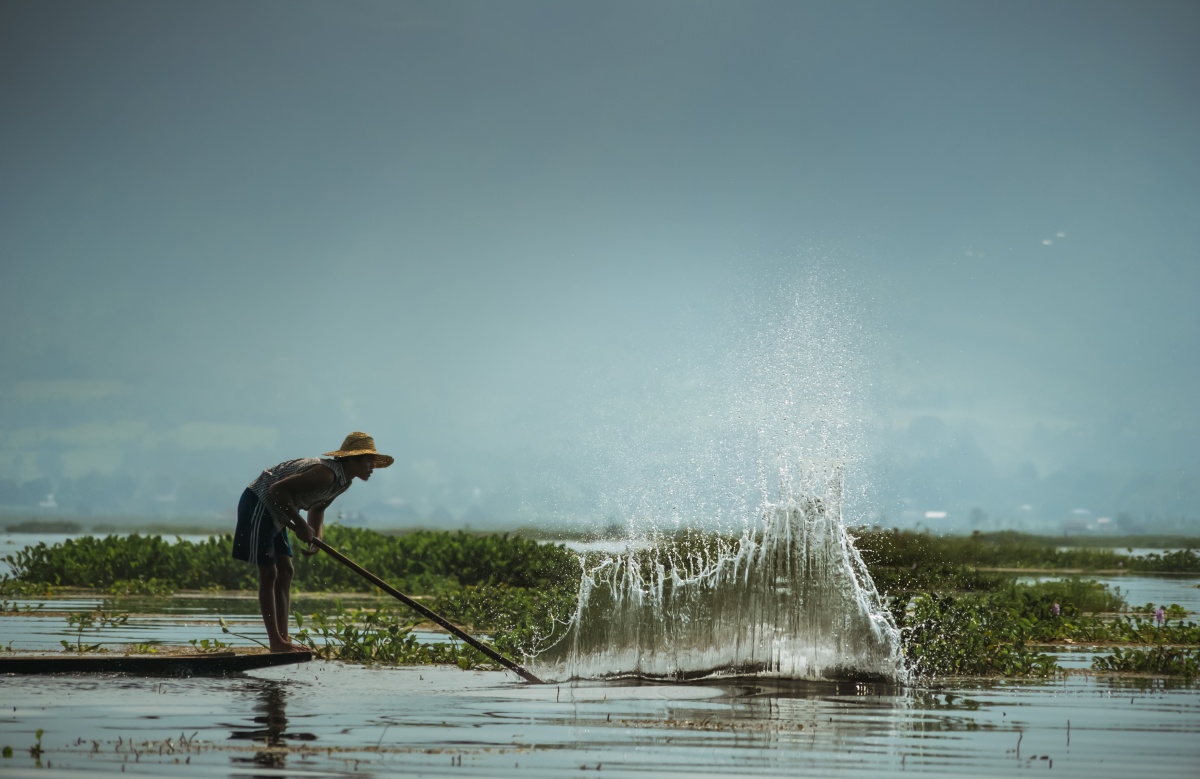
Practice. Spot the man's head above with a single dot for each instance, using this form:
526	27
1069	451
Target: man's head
360	465
358	456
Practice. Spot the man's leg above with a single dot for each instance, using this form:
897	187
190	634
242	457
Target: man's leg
283	597
268	602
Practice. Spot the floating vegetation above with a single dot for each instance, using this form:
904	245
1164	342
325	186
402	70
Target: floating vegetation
922	552
999	633
45	526
655	610
1173	611
1097	630
522	621
91	620
1159	660
970	635
10	587
141	587
105	562
205	645
519	620
426	562
373	636
16	608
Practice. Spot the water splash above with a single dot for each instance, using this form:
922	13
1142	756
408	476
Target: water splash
775	434
792	601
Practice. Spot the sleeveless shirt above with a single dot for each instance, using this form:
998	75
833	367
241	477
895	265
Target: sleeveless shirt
304	500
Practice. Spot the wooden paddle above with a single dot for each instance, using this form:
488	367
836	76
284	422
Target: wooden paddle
425	611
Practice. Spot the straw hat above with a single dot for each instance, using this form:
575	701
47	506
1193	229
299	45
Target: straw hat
361	443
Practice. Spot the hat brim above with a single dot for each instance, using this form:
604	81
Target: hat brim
381	460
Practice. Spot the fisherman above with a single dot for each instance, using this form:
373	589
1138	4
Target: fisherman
272	504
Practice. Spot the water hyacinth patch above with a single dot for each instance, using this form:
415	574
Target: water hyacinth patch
1008	549
956	619
422	561
970	635
1159	660
372	636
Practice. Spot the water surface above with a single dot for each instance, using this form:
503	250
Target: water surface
333	719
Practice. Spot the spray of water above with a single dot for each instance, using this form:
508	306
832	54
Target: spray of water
720	588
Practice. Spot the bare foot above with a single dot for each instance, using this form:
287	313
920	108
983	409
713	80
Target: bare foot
287	646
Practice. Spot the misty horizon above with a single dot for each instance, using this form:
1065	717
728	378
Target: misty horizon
566	263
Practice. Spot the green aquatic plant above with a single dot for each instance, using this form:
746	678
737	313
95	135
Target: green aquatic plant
10	587
901	549
521	621
433	563
913	579
1174	611
970	635
102	562
16	608
1177	561
374	636
1075	596
89	620
227	631
996	633
206	645
1114	630
957	618
45	526
1159	660
141	587
424	562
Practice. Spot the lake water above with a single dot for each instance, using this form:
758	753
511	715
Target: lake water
330	719
333	719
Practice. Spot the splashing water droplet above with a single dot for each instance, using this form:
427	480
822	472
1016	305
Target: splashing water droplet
778	590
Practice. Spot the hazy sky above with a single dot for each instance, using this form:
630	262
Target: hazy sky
519	241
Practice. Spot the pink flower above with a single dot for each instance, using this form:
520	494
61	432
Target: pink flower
1055	610
1159	616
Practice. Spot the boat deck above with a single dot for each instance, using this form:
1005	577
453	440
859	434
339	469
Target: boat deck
191	664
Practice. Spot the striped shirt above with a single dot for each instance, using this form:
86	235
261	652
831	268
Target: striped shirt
303	500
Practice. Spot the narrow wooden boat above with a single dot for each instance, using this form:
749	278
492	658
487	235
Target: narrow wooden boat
194	664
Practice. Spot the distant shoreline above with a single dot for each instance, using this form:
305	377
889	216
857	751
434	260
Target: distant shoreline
215	528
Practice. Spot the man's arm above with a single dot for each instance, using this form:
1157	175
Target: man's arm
280	497
316	523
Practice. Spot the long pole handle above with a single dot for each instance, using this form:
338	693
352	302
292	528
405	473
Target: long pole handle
426	612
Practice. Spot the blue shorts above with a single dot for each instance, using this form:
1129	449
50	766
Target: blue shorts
256	539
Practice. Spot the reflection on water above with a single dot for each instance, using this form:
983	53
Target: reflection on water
270	727
432	721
